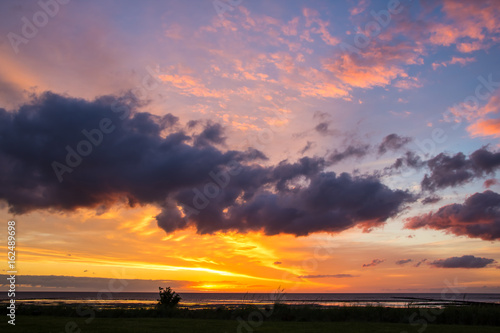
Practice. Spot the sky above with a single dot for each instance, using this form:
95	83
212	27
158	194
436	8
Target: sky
236	145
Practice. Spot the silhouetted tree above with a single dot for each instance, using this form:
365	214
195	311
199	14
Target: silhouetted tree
168	298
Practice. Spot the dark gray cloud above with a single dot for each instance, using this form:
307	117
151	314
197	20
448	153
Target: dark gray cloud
147	159
211	134
409	160
456	170
403	261
330	202
477	217
338	276
449	170
307	147
74	283
431	200
393	142
467	261
356	151
420	262
374	262
322	128
133	161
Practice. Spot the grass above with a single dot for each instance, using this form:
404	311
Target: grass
244	319
451	315
52	324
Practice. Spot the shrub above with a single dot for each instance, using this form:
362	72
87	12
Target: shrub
168	298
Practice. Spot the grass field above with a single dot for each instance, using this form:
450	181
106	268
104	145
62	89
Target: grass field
45	324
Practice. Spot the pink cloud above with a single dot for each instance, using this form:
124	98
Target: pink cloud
408	83
321	26
377	66
453	61
360	7
476	114
471	25
490	182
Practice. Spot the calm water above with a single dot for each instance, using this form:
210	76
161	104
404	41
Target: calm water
233	299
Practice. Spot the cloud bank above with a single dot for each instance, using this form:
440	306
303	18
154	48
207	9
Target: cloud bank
61	153
477	217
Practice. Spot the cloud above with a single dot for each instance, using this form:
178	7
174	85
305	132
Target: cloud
485	127
189	85
450	171
360	7
307	147
277	263
374	262
382	58
339	276
393	142
408	83
473	112
409	160
477	217
490	182
469	25
212	134
357	151
375	67
75	283
322	128
318	26
431	200
403	261
453	61
467	261
149	159
420	262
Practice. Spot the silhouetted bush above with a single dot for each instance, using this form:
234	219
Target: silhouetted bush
168	298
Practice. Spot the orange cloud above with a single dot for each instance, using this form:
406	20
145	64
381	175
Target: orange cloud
471	25
190	85
487	127
364	73
473	113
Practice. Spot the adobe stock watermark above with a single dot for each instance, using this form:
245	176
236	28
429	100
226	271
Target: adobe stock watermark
220	179
12	271
424	316
29	30
222	6
256	318
212	189
115	285
373	28
93	138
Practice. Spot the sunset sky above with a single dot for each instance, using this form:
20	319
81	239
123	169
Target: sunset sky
244	145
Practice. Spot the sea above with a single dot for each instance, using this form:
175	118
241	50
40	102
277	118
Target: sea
204	300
